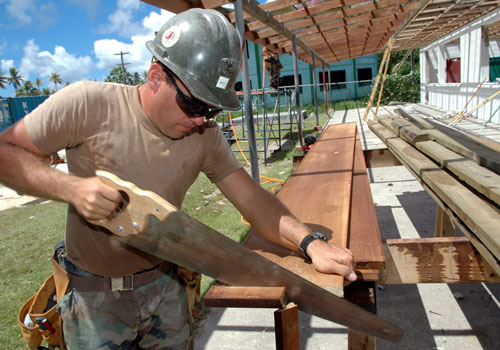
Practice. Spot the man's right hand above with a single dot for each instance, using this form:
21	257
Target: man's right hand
94	200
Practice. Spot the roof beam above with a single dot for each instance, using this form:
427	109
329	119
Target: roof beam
252	8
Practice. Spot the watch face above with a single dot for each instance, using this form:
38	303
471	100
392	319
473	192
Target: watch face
320	236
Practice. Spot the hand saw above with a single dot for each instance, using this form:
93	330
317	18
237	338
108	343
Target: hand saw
151	224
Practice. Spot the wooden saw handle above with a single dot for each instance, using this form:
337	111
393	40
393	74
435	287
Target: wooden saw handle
139	204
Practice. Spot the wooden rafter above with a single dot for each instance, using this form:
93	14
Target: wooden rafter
336	30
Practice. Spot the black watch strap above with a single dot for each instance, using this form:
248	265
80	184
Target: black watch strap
308	240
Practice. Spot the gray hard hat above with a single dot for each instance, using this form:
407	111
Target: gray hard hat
203	50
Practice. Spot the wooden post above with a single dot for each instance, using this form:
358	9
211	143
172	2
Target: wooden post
389	48
375	85
286	324
444	227
360	341
361	293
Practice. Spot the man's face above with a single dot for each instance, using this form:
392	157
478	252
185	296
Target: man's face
168	116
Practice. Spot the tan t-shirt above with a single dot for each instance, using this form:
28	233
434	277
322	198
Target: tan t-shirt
102	126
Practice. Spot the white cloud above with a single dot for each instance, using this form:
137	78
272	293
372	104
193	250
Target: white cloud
155	20
5	65
139	57
90	6
19	10
41	64
121	21
46	14
24	11
38	63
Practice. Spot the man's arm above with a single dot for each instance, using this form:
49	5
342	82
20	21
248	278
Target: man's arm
23	168
275	222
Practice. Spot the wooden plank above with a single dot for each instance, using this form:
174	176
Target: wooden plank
364	235
479	216
404	129
325	173
287	331
476	242
483	220
483	151
230	296
175	6
480	178
434	260
409	132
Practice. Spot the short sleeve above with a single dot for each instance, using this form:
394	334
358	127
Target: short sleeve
220	160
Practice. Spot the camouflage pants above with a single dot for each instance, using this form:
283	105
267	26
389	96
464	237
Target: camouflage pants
153	316
274	77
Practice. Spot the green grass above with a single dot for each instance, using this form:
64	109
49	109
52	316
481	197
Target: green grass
29	234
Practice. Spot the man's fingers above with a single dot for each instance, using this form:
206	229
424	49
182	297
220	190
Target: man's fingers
344	269
95	200
111	194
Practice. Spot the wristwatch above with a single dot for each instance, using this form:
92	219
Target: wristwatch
308	240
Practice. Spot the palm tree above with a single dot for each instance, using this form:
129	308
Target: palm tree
15	79
4	80
38	83
55	79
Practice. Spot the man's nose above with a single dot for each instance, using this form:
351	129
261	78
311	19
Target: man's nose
198	120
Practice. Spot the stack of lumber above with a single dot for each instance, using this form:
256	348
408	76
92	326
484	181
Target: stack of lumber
460	171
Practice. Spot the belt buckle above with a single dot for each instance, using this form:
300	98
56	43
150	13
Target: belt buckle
122	283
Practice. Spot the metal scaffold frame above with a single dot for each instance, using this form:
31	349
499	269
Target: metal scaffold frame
269	126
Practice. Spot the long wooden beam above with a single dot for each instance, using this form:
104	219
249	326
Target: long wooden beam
434	260
252	7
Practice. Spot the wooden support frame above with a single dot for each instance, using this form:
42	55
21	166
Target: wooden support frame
475	218
287	330
247	297
434	260
444	226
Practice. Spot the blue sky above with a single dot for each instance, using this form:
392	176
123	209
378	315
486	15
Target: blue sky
77	39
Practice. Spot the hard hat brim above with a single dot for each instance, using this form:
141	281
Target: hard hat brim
222	98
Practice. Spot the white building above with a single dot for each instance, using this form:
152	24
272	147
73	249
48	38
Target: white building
454	66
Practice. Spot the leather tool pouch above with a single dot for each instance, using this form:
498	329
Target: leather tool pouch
42	307
192	283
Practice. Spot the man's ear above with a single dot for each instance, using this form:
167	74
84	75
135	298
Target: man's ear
155	76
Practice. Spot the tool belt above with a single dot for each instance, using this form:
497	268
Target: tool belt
41	310
192	286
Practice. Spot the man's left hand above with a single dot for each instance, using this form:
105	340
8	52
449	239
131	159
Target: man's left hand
329	258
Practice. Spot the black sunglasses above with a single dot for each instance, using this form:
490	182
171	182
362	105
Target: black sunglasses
190	106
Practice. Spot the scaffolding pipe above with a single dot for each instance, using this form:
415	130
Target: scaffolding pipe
325	91
330	99
245	79
315	91
297	89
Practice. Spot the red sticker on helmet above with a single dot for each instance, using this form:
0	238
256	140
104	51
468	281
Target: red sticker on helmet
170	36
